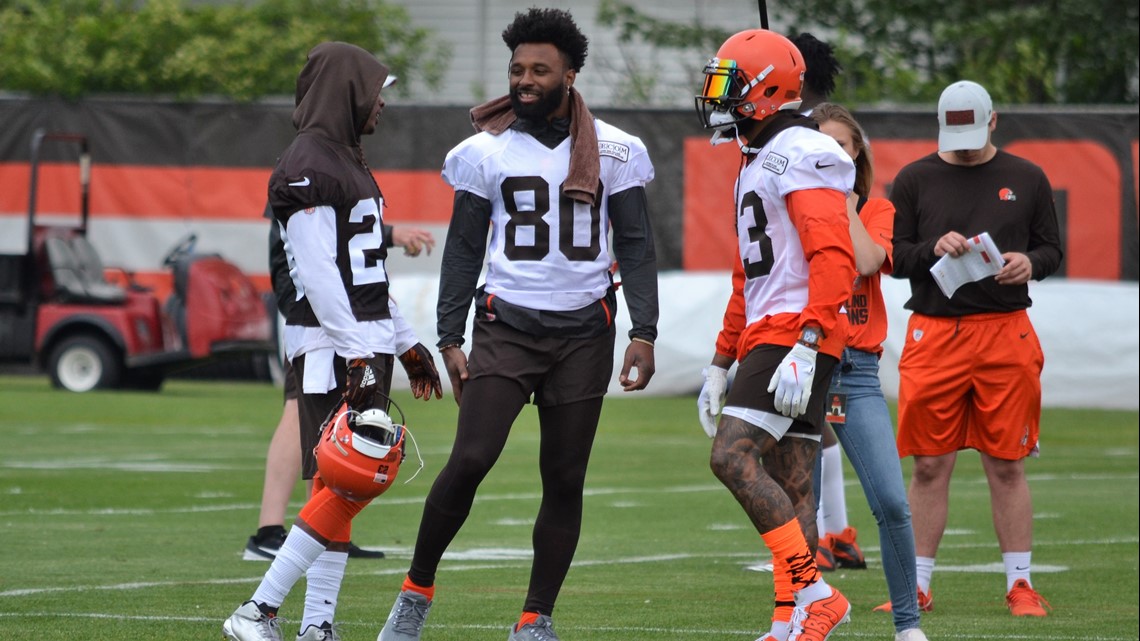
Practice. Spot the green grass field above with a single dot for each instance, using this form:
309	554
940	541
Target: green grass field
123	516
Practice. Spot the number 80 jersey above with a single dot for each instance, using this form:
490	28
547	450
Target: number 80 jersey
546	252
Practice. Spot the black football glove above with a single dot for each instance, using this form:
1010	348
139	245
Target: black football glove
360	384
422	374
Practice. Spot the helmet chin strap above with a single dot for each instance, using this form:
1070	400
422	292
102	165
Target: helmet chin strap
731	133
416	445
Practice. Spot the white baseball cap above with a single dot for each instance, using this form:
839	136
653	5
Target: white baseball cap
964	112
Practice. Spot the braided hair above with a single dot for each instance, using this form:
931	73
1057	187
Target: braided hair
822	67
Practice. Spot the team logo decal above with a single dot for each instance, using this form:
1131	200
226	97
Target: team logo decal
775	163
614	150
916	335
1005	193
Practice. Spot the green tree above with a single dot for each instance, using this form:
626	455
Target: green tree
905	51
640	83
74	48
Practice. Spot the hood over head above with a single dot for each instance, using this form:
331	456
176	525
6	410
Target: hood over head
336	91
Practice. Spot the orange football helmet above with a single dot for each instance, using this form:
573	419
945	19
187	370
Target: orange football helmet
360	453
755	74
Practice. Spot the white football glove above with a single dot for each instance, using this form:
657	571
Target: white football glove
792	381
711	400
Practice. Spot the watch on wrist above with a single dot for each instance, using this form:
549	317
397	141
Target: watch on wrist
809	337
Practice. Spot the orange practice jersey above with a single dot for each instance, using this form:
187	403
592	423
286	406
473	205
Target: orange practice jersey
866	311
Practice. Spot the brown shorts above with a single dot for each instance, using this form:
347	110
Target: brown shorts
750	387
315	409
291	385
970	382
556	370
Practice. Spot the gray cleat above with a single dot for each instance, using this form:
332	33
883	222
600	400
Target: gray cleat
542	629
406	620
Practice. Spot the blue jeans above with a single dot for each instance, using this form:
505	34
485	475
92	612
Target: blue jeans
868	440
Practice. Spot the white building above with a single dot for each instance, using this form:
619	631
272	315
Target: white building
615	73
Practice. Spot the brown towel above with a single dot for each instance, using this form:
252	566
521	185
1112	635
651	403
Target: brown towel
495	116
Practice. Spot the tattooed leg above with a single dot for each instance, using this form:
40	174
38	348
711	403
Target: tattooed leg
736	460
790	465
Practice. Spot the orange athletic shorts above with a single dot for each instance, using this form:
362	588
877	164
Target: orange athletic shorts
970	382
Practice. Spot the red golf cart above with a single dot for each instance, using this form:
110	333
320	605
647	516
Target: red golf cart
59	312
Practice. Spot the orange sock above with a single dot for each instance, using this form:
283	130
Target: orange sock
330	515
785	600
429	592
527	617
788	545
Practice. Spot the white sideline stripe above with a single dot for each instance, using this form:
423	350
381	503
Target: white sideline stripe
657	558
483	566
394	571
521	496
413	500
705	632
158	465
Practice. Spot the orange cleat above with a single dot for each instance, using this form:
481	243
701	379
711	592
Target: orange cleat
845	550
823	558
815	621
1023	601
925	603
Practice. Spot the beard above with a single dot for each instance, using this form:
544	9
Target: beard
546	105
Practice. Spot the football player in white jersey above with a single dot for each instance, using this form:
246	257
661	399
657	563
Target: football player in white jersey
794	271
549	183
343	332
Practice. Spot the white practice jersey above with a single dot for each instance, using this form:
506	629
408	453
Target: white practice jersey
328	262
547	252
775	269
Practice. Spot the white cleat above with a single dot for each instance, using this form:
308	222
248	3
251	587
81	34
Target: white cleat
249	623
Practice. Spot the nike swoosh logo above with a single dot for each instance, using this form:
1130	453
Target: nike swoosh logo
795	371
301	183
1024	335
819	166
1021	569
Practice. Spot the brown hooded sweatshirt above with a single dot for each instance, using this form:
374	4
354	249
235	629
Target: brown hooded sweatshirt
324	166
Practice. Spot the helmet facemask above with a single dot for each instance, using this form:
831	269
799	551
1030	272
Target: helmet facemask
724	101
376	432
755	74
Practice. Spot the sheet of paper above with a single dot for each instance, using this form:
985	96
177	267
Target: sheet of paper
983	260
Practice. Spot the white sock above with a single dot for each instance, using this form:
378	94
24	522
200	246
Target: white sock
832	498
812	593
924	566
781	630
295	556
323	580
1016	567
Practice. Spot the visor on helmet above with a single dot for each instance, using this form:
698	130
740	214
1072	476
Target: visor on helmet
724	83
